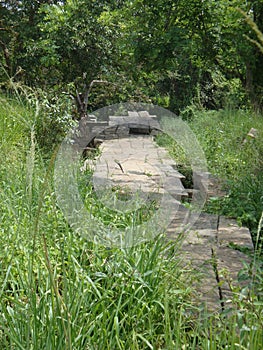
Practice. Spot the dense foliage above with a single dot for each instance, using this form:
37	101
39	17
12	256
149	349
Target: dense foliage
60	59
167	52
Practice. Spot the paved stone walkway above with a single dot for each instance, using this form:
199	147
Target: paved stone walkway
212	246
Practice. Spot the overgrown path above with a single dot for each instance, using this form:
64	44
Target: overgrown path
214	246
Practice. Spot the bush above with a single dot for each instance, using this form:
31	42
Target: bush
53	120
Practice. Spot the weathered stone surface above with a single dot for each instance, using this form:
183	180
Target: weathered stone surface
123	169
145	114
198	258
229	264
230	233
135	164
205	237
133	114
201	181
205	221
215	187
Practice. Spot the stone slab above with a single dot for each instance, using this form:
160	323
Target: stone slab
229	264
229	232
199	259
205	237
134	162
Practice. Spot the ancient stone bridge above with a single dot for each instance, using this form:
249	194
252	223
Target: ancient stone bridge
214	245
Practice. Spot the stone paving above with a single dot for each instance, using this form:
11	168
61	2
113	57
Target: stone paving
212	246
136	162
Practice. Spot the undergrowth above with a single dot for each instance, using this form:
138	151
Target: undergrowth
59	291
236	158
233	156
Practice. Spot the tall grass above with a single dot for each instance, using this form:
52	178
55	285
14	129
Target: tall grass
58	291
236	158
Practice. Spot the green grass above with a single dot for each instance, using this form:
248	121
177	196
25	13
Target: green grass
233	156
236	158
58	291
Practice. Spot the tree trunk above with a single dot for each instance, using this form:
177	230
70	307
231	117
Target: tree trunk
82	98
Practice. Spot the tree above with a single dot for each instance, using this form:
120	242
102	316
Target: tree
77	47
178	42
19	28
190	41
168	52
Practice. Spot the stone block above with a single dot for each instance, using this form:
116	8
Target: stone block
205	237
133	114
230	232
144	114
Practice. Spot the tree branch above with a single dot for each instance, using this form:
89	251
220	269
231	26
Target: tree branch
82	99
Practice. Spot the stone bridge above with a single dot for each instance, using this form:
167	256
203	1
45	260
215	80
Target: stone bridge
214	246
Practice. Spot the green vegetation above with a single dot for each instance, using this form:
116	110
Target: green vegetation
60	60
233	156
169	53
108	216
59	291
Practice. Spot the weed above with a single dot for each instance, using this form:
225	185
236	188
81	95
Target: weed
59	291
